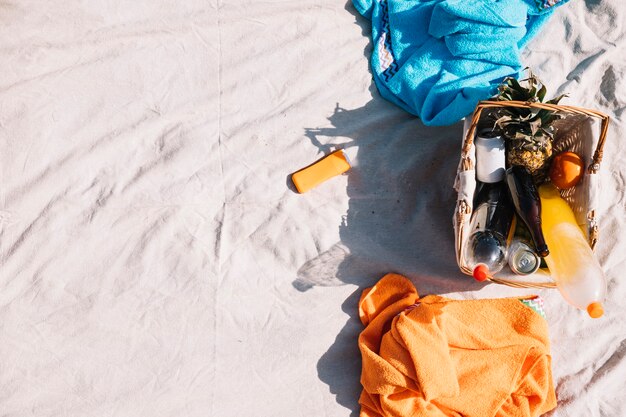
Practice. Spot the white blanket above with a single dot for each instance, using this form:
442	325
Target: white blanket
154	258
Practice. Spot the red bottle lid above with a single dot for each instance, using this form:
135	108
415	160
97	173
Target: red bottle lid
481	272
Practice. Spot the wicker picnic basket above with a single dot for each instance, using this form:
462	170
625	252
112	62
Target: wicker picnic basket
576	132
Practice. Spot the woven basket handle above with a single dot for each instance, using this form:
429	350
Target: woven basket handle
597	156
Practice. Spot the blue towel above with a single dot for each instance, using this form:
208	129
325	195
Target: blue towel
437	58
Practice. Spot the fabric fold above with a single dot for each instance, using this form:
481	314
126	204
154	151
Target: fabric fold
434	356
436	59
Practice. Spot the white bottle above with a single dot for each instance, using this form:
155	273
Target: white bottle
490	158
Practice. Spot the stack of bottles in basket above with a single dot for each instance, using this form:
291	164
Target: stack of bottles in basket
515	222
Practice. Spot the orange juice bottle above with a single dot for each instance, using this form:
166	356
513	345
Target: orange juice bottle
572	265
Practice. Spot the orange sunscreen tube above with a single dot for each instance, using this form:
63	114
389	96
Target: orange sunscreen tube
329	166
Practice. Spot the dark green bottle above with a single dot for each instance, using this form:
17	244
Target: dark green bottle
527	204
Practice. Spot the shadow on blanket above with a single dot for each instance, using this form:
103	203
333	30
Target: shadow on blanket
399	219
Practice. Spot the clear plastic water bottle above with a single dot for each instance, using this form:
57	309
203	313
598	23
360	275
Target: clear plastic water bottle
485	251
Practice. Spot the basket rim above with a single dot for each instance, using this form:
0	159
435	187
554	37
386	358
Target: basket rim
598	154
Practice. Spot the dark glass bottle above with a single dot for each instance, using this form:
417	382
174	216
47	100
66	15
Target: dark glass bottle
490	227
527	204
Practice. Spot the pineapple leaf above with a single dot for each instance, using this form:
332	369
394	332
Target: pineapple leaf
535	126
541	94
528	131
556	99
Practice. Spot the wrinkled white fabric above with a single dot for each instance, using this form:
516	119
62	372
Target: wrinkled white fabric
155	261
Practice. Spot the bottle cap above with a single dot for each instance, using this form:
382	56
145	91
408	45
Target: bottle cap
543	251
595	310
481	272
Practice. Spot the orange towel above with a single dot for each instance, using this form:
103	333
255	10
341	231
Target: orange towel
439	357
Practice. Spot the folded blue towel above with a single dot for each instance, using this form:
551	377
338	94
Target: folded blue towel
437	58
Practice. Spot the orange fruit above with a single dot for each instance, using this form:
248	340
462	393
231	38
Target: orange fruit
566	170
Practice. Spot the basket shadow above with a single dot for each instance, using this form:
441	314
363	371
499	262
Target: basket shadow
399	219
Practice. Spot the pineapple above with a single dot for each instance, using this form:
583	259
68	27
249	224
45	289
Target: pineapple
528	132
529	151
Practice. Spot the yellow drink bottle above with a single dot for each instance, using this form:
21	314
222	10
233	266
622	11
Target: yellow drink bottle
572	265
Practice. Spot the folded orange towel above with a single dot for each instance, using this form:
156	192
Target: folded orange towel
440	357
